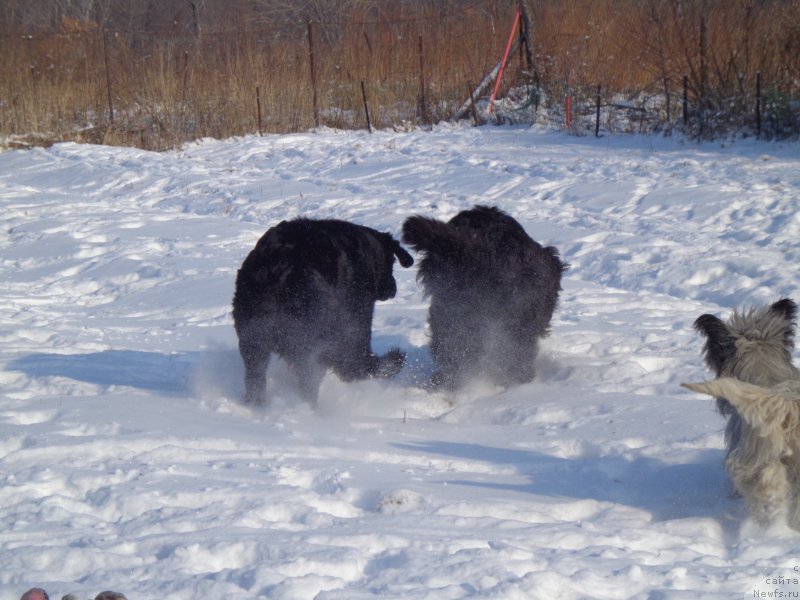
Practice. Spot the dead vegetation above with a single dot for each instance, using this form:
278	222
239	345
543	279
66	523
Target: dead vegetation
161	76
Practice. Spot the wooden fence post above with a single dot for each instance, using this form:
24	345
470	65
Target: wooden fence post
568	102
685	99
758	104
475	119
366	107
423	108
258	105
703	60
195	20
185	74
704	98
597	119
108	80
313	72
525	26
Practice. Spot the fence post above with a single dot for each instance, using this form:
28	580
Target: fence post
569	102
758	104
185	74
313	72
195	20
703	59
704	101
597	119
423	110
685	99
475	119
108	80
258	105
525	26
366	107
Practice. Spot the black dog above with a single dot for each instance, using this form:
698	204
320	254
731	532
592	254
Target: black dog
307	292
493	291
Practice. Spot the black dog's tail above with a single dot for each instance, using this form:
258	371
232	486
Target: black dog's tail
559	266
431	236
403	257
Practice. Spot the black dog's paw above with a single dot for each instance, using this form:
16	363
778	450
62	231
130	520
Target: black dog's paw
443	381
391	363
255	398
438	381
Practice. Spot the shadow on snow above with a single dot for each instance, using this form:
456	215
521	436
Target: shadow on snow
178	373
699	489
153	371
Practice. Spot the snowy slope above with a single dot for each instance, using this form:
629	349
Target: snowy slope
127	461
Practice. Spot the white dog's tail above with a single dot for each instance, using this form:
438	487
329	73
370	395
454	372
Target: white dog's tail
767	410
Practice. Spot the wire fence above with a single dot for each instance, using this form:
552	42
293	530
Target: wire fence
707	68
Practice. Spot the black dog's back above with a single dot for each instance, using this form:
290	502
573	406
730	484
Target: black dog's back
307	292
292	264
486	252
493	292
281	269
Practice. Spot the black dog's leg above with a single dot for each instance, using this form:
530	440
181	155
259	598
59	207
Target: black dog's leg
255	355
455	346
390	364
350	353
448	374
453	361
353	366
351	356
512	355
309	374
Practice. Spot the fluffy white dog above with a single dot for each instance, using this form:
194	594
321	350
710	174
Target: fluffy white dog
758	389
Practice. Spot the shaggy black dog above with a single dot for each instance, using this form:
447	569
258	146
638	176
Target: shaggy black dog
307	293
493	291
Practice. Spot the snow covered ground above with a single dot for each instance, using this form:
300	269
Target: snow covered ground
127	461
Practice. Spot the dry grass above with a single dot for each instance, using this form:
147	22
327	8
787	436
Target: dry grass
168	89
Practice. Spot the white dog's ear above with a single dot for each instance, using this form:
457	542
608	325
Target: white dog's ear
767	410
720	347
787	309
